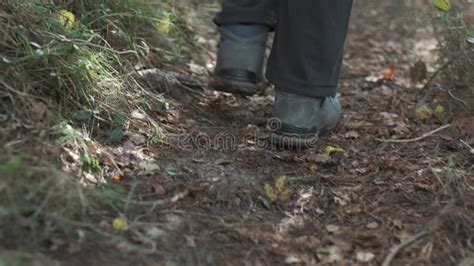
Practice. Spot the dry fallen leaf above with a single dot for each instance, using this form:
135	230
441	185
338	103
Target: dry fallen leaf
390	73
390	119
331	228
398	223
352	135
292	260
318	158
280	191
158	189
341	198
138	114
353	210
37	110
372	225
190	241
330	255
423	112
364	256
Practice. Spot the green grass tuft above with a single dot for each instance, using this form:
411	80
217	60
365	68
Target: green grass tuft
65	68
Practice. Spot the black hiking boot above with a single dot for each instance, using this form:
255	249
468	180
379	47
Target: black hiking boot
239	64
299	121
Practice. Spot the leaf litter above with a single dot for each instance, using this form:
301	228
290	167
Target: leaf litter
349	199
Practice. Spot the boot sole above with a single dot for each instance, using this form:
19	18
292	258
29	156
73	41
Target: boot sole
233	86
292	142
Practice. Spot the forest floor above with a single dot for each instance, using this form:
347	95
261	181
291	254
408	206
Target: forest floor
355	199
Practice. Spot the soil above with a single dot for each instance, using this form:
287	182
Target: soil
207	203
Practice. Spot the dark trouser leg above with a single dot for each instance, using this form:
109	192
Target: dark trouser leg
244	26
247	12
308	48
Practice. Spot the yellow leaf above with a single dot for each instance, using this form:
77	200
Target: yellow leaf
270	192
330	150
67	19
423	112
440	111
285	194
444	5
120	224
280	183
92	147
164	25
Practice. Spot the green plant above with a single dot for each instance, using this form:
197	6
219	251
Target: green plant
456	57
75	59
38	202
79	55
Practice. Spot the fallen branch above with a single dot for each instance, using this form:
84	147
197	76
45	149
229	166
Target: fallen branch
415	139
396	249
154	203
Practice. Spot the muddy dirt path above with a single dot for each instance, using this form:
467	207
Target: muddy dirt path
349	206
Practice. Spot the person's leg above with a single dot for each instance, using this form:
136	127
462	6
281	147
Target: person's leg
243	26
304	66
249	12
308	47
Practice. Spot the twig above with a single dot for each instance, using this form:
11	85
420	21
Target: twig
435	74
466	144
395	249
471	149
154	203
437	176
458	99
415	139
441	69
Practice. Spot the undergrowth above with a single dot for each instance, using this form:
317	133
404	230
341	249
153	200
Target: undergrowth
456	54
80	55
39	201
65	67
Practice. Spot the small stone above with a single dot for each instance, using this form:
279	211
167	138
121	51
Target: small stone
372	225
364	256
155	232
137	114
149	167
331	228
138	139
